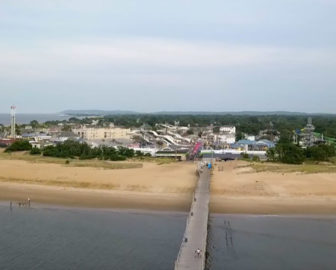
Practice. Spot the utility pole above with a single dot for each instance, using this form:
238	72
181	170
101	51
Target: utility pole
13	122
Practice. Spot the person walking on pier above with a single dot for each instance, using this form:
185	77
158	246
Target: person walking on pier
198	253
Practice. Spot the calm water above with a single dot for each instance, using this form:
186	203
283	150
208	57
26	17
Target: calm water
47	238
69	238
27	118
272	242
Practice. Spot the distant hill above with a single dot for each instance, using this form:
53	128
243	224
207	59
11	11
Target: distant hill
121	112
253	113
95	112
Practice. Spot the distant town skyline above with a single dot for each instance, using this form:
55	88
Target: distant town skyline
235	55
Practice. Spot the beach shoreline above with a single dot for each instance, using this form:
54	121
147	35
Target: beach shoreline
93	198
169	187
105	199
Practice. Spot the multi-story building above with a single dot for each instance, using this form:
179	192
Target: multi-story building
112	133
227	135
227	130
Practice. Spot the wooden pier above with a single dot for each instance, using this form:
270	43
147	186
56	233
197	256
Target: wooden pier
195	236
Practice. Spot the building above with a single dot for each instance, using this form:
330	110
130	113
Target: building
227	130
250	137
262	145
112	133
227	135
225	138
306	137
4	142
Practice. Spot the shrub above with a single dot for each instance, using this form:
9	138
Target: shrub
320	152
291	154
35	151
72	149
139	153
244	156
256	158
286	152
19	145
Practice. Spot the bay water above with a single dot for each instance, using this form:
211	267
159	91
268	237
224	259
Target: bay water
27	118
255	242
59	238
48	237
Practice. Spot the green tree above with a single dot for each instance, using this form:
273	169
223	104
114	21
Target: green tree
35	151
320	152
290	153
271	154
34	123
19	145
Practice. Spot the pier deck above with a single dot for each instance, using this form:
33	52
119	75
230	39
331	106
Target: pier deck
195	236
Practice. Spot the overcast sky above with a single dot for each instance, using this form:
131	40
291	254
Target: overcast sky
152	55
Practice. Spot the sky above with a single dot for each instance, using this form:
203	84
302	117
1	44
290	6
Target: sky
176	55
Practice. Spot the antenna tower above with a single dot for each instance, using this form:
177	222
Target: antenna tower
13	122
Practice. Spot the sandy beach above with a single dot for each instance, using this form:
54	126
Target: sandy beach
237	188
157	187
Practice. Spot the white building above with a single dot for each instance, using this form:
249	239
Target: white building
227	135
114	133
226	138
227	130
250	137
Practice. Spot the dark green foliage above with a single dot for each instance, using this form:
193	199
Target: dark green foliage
19	145
286	152
256	158
123	151
272	154
73	149
35	151
290	153
320	152
139	154
34	123
244	156
239	136
286	137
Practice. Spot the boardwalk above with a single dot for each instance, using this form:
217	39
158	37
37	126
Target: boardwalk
195	235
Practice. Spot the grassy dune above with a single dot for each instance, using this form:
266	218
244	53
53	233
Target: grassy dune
71	162
307	168
95	163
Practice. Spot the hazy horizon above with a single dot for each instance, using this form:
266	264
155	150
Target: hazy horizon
168	56
117	111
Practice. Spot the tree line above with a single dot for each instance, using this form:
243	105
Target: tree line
250	124
287	152
74	149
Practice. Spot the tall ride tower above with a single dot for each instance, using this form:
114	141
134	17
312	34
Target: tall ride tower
13	122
